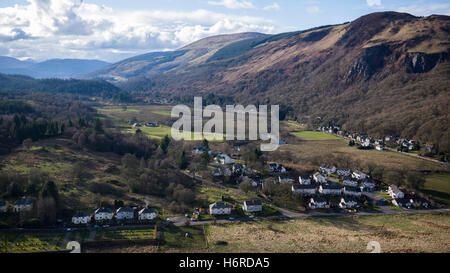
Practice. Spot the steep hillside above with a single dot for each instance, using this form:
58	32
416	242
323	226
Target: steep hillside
161	62
384	73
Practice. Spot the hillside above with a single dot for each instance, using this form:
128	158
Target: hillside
385	73
54	68
179	60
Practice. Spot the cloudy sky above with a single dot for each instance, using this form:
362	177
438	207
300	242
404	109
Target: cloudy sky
111	30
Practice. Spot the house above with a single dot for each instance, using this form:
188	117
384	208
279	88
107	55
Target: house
304	180
327	169
403	202
359	175
343	172
252	206
380	148
3	206
200	150
394	192
23	204
368	185
304	189
285	179
125	213
353	191
387	138
318	203
319	178
151	124
332	189
348	203
420	202
238	168
276	168
219	208
349	181
146	214
103	214
224	159
81	218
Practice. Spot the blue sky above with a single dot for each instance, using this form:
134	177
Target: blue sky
114	29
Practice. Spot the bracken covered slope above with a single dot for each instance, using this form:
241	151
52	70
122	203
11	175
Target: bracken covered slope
385	73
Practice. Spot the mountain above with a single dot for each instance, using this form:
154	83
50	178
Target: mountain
385	73
170	61
54	68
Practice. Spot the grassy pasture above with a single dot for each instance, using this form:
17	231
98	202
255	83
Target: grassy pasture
313	135
438	185
395	233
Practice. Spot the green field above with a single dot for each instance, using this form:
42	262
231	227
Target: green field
438	185
313	135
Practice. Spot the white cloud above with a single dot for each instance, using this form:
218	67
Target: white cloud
274	6
424	10
44	29
312	10
233	4
372	3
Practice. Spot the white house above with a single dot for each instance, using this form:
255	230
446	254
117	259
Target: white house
304	189
353	191
126	213
380	148
276	168
224	159
343	172
23	204
200	150
347	203
349	181
368	185
319	178
394	192
327	169
285	179
403	202
219	208
420	202
3	206
252	206
318	203
304	180
146	214
103	214
81	218
238	168
359	175
332	189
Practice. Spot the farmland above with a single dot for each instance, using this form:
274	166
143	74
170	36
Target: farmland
312	135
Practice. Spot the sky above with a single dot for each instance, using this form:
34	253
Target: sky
112	30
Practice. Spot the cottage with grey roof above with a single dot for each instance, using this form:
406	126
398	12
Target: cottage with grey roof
146	214
23	204
81	218
252	206
219	208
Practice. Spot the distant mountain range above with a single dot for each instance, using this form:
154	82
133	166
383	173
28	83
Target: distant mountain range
386	73
54	68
